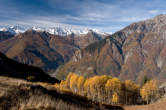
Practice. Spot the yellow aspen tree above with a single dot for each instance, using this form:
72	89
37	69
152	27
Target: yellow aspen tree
94	87
112	85
149	91
115	97
63	85
68	79
102	92
97	87
80	84
86	88
73	83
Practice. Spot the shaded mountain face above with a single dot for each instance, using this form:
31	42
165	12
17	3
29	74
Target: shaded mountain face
134	52
5	35
14	69
38	49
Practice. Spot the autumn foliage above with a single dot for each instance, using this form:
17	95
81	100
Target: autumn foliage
149	91
109	90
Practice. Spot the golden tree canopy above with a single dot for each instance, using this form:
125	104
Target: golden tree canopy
149	89
131	86
73	81
113	84
68	79
80	83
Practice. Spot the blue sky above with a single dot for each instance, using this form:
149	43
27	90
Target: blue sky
105	15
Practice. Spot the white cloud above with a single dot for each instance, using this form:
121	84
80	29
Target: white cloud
103	13
130	19
85	14
42	22
110	29
154	11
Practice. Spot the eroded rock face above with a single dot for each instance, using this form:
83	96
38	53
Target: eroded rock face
135	51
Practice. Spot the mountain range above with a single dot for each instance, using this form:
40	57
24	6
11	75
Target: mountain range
135	52
42	49
61	31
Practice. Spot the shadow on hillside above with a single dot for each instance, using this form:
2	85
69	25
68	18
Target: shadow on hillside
11	68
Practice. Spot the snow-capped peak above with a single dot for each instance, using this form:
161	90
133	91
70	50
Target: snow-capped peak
17	29
52	30
3	29
99	32
14	29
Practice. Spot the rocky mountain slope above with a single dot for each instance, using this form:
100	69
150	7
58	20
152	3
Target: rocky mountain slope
83	40
80	37
39	49
134	52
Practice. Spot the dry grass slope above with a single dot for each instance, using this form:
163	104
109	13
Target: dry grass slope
21	95
155	106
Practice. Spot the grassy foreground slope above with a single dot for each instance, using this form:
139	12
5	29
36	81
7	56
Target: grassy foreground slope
160	105
18	94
